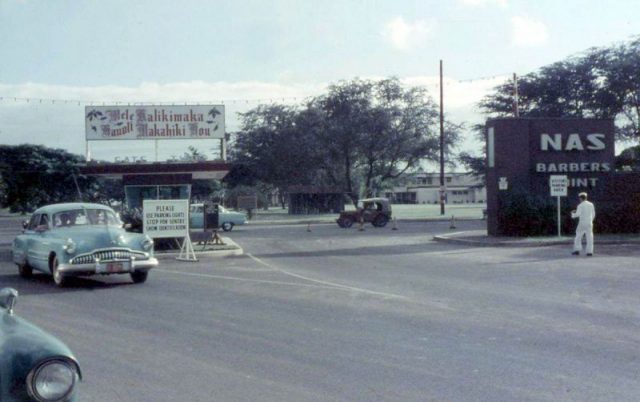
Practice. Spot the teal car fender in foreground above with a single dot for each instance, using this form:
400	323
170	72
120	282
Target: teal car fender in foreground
34	365
81	239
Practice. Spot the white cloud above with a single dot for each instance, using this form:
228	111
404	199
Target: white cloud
404	35
528	32
457	94
474	3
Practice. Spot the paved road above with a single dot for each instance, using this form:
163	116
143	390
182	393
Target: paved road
333	315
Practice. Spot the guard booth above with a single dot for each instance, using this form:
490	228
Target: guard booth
156	180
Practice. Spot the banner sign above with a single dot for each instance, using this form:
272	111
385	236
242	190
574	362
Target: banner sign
154	122
165	218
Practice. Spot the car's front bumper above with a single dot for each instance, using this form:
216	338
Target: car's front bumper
94	268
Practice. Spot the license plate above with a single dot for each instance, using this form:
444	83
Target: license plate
114	267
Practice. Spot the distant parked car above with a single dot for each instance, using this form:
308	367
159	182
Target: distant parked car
34	365
81	239
226	219
376	211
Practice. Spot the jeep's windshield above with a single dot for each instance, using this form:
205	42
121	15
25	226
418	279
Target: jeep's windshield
80	217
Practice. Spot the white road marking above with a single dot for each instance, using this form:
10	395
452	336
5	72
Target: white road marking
232	278
326	283
316	283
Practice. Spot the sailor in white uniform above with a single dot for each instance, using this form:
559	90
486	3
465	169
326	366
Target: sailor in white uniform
585	213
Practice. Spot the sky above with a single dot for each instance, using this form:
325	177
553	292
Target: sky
59	56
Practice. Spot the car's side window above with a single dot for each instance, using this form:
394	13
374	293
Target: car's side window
33	222
80	218
44	220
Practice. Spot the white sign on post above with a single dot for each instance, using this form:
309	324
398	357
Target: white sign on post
165	218
558	185
169	218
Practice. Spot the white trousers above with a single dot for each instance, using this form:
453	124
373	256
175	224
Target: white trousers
586	231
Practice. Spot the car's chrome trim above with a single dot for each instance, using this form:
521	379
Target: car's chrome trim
108	254
91	268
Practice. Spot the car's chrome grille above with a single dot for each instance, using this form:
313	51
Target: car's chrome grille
108	255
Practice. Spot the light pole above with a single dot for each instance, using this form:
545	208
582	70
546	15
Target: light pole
442	187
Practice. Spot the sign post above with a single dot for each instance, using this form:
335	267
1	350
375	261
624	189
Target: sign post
558	185
169	218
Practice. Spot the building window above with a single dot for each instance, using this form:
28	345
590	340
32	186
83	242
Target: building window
135	195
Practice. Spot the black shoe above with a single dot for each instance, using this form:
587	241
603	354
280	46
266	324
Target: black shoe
575	253
589	255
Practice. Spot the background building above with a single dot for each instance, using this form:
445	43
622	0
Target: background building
424	188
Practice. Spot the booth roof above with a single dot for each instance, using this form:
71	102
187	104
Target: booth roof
197	170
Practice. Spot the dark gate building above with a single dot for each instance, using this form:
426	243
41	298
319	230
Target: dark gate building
522	153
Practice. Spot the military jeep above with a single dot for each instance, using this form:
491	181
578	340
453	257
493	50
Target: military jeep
376	211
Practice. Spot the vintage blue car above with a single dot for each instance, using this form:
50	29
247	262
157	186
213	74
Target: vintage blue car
226	219
81	239
34	365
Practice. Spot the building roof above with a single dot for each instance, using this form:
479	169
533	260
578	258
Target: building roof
197	170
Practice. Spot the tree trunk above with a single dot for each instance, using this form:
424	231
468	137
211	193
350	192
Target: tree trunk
347	175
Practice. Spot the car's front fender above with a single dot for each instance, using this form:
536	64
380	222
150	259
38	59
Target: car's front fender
22	347
19	250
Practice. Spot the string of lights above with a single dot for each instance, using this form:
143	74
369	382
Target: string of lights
127	103
85	102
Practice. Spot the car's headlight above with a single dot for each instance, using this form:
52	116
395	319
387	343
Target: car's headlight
53	380
70	246
147	243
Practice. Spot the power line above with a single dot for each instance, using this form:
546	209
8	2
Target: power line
231	101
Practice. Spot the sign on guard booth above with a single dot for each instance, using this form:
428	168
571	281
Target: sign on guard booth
526	152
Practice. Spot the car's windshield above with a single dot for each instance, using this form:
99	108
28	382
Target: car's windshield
87	216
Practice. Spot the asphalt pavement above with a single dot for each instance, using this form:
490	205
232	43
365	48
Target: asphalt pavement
326	314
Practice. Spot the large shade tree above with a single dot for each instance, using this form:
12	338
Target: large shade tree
274	148
35	175
358	135
600	83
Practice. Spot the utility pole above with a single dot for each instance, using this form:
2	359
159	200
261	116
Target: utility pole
442	187
516	112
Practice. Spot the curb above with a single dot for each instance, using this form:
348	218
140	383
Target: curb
231	249
519	243
319	222
480	243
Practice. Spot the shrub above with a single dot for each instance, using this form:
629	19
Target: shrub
523	214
